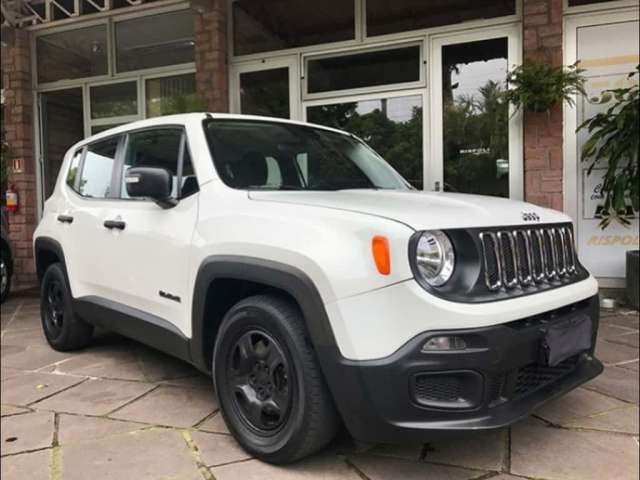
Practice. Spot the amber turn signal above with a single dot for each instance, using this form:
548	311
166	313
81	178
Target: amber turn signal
380	250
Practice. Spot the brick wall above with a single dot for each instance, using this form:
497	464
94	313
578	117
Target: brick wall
542	34
210	30
18	129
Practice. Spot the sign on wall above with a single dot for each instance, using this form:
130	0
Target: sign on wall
608	65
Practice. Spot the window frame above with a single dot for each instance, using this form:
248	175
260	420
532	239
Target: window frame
109	20
421	82
119	164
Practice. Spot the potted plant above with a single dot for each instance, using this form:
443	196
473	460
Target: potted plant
537	86
614	141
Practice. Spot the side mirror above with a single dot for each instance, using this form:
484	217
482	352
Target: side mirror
148	182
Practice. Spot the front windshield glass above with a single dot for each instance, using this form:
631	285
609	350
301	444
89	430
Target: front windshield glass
261	155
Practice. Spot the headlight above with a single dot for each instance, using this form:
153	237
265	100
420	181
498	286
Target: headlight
435	257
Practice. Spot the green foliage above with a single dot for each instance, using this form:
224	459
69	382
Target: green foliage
537	86
400	143
476	135
182	104
614	139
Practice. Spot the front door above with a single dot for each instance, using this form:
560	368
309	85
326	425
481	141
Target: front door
149	249
475	139
266	87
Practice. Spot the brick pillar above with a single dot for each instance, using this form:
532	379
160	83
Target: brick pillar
212	80
542	30
18	133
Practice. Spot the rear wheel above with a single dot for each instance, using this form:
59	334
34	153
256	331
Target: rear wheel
5	275
271	391
62	329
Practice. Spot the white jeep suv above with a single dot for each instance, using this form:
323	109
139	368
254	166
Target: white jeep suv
313	282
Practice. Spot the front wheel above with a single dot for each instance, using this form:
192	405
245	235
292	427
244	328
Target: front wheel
271	391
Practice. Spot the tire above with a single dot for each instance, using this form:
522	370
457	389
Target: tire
5	275
274	418
62	328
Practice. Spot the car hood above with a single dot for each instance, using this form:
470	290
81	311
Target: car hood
419	210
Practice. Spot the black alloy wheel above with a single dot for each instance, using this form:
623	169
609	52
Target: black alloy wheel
63	329
54	308
258	372
268	381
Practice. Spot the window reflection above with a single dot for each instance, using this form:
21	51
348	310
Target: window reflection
175	94
155	41
475	119
261	26
391	126
382	67
265	92
114	100
72	54
385	17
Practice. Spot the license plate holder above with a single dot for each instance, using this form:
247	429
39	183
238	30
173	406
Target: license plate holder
565	338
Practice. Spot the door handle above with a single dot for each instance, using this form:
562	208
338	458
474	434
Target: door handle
65	218
117	224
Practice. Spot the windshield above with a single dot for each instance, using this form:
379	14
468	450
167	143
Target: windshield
261	155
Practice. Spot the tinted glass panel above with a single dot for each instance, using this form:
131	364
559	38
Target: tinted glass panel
62	125
159	148
279	156
392	126
169	95
155	41
114	100
385	17
265	93
260	26
95	180
475	119
101	128
72	54
399	65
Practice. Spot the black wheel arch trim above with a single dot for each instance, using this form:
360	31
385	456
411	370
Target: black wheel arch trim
273	274
48	244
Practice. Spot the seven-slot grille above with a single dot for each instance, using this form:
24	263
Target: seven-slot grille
526	257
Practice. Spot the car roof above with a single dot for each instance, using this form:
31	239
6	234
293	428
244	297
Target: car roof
183	118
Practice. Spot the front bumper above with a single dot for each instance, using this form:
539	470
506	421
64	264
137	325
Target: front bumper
500	377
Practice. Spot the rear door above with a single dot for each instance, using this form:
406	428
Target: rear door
149	255
89	201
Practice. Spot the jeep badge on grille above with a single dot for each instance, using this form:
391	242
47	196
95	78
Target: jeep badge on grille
530	217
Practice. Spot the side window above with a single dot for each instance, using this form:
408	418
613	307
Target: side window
160	148
95	180
72	173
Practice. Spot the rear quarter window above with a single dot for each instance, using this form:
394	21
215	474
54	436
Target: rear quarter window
97	169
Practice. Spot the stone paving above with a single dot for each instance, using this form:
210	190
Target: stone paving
119	410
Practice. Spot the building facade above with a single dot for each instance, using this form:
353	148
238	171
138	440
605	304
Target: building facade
418	80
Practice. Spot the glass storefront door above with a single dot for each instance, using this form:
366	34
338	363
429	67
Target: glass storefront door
474	149
267	88
61	125
391	124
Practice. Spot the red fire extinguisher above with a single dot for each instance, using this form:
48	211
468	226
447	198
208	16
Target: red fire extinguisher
11	197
